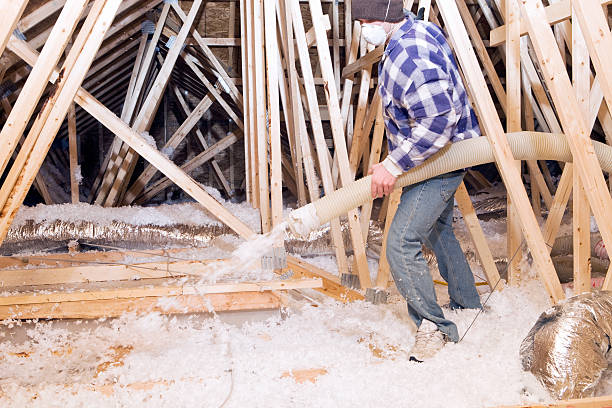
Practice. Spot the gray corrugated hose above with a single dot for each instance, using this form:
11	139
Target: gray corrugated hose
455	156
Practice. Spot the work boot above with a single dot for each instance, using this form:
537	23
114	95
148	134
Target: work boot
428	341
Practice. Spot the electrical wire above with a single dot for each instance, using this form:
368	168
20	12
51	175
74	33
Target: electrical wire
493	289
136	251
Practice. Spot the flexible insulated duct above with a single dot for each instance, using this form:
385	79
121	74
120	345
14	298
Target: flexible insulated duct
565	245
455	156
568	348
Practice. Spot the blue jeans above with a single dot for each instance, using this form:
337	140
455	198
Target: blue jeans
425	216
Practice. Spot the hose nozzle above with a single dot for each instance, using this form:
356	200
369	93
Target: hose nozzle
303	220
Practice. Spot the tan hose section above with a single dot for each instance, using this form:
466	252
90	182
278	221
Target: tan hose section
455	156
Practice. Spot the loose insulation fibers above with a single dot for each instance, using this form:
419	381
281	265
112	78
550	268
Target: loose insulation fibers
195	360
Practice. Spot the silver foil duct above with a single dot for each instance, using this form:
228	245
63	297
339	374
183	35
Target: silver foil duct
491	206
569	346
32	236
319	242
35	237
56	235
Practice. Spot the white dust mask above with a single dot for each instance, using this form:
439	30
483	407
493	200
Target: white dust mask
374	34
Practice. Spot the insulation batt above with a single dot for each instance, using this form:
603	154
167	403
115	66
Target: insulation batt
568	348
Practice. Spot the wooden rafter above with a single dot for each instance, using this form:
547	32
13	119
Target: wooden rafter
503	156
574	123
47	124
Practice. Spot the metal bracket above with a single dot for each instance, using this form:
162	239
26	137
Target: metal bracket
6	89
376	296
287	275
350	280
147	27
276	260
17	32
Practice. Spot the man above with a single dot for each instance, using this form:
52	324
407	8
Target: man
425	106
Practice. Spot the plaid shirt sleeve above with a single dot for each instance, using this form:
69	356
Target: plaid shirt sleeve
422	118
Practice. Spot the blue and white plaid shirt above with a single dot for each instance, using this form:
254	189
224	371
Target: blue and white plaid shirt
425	105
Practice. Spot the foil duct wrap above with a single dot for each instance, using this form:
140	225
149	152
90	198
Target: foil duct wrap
33	237
49	235
319	242
491	206
568	348
56	235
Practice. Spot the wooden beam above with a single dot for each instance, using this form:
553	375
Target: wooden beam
331	283
503	156
513	124
117	126
152	155
130	108
177	137
72	147
249	110
40	14
40	39
62	260
593	402
296	110
102	271
272	80
374	157
367	60
136	67
359	136
39	182
569	110
196	162
537	180
557	209
155	288
331	95
192	63
247	181
347	91
260	157
45	127
202	140
113	155
317	128
483	252
36	83
555	13
286	45
11	12
384	270
146	115
581	225
219	302
235	94
596	31
482	53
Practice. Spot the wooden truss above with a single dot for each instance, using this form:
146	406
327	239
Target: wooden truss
89	46
309	115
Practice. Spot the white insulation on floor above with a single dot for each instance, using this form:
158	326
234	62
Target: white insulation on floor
358	351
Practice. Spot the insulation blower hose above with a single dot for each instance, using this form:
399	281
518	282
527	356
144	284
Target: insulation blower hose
454	156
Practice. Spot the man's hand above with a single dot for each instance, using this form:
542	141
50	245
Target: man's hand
382	181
